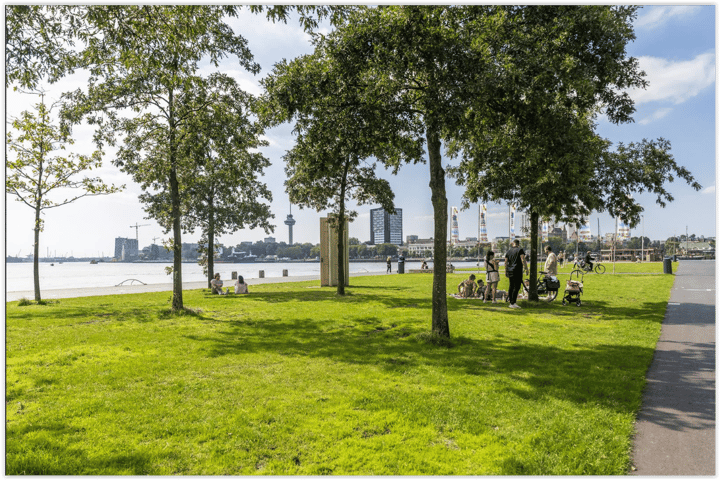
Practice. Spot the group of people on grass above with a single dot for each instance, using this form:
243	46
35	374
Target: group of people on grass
216	286
515	265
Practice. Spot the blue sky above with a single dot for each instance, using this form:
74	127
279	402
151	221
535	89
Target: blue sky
675	46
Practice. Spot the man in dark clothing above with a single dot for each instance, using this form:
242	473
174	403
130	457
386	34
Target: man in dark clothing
514	265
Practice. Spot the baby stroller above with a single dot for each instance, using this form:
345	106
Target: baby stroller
573	291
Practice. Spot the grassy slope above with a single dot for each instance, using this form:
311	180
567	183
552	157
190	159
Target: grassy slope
293	380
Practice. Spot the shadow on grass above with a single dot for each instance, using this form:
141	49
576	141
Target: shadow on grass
47	449
386	296
611	375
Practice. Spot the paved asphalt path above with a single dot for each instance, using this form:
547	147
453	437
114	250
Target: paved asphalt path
676	423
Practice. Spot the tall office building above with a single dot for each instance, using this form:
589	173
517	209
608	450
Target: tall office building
384	227
126	248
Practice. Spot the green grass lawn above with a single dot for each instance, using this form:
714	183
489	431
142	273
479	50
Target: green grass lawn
292	380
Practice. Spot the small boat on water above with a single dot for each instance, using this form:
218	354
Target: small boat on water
93	262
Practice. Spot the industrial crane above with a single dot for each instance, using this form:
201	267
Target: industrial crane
137	227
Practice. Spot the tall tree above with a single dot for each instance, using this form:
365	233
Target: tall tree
327	166
562	66
38	169
422	72
144	62
225	193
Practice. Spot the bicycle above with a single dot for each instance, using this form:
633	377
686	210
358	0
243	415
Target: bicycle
545	286
582	268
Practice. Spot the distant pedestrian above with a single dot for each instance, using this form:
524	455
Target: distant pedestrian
492	276
515	264
561	258
389	265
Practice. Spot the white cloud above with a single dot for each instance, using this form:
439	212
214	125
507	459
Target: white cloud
675	82
658	16
657	115
708	190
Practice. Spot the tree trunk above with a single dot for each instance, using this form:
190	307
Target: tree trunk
211	242
177	300
36	256
533	293
440	324
341	233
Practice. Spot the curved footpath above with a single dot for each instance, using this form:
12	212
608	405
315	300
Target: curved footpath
675	428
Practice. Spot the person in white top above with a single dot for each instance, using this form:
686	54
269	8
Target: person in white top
551	262
216	285
241	286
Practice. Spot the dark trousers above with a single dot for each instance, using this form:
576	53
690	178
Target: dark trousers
515	286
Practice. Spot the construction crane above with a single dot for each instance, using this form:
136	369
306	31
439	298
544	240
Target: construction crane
137	227
155	238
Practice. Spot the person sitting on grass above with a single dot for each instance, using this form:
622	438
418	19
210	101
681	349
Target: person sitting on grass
480	290
466	288
216	285
241	286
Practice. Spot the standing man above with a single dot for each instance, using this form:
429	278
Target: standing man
551	262
514	265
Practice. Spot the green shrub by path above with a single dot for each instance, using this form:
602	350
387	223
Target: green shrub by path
293	380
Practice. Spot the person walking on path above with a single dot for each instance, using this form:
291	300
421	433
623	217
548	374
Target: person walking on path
389	265
675	427
515	264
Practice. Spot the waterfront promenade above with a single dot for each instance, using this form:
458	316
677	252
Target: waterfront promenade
676	423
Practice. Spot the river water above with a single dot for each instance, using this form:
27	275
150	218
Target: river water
19	276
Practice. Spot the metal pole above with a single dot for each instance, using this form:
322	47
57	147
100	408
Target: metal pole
478	239
614	240
642	240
